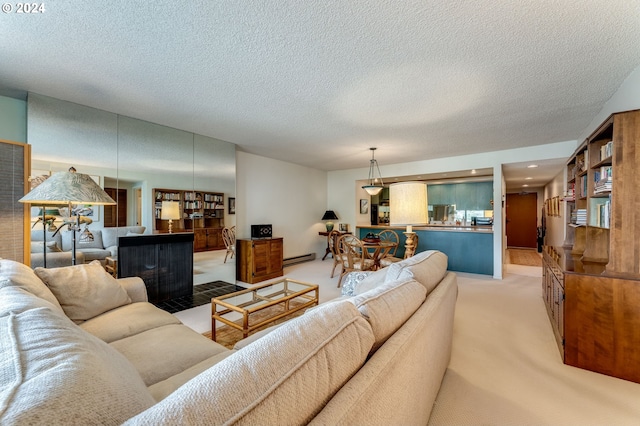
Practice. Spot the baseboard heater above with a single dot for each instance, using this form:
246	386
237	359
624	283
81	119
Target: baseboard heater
298	259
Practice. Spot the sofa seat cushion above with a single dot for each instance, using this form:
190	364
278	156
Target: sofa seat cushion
162	389
52	372
388	306
15	274
91	254
84	291
286	377
427	267
128	320
165	351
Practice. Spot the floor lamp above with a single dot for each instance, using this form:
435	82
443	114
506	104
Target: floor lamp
68	188
408	207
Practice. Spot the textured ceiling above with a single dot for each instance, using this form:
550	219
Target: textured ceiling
318	82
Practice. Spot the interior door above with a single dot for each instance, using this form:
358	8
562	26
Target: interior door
521	212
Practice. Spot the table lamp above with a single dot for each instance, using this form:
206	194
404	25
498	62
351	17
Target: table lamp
68	188
170	211
329	215
408	207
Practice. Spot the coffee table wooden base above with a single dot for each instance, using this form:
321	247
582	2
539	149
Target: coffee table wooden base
257	299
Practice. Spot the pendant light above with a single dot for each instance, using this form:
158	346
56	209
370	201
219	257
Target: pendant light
375	185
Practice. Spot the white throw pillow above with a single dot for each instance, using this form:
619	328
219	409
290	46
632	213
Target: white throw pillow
67	240
84	291
52	372
388	306
370	282
427	267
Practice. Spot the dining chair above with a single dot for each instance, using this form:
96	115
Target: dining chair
390	257
332	240
229	238
353	256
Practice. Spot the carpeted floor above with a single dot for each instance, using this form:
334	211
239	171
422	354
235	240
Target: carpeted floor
526	257
506	368
202	294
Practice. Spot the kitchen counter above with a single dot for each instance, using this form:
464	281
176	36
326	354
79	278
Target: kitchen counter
469	248
435	227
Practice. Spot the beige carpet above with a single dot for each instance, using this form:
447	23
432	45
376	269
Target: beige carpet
506	367
524	257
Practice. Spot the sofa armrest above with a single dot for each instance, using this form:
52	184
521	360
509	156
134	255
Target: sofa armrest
135	288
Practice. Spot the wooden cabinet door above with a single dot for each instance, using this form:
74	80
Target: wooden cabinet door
275	256
199	239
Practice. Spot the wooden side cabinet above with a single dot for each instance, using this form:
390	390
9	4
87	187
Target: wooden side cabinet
259	259
208	239
594	317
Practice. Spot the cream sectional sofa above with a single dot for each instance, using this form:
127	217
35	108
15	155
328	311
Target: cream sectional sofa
104	244
80	347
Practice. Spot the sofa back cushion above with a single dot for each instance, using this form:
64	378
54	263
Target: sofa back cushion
52	372
388	306
67	240
38	235
427	267
40	247
84	291
15	274
286	377
110	235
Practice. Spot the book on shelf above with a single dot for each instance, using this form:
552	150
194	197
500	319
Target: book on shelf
580	216
606	150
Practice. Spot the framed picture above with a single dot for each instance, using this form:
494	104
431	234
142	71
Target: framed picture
364	206
232	205
344	227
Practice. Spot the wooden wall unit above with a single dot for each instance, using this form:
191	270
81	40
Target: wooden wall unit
591	285
202	213
259	259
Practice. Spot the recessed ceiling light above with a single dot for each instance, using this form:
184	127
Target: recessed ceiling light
473	171
528	178
532	166
525	185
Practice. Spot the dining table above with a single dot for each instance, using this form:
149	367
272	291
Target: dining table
376	249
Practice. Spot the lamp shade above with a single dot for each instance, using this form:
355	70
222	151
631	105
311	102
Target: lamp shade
329	215
170	210
68	187
408	203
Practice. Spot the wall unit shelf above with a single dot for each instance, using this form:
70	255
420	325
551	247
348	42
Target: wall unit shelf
591	285
202	212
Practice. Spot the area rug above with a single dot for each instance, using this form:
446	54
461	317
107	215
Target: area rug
524	257
202	294
228	336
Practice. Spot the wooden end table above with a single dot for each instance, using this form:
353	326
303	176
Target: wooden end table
111	265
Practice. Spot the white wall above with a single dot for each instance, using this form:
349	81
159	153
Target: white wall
292	198
626	98
343	193
556	225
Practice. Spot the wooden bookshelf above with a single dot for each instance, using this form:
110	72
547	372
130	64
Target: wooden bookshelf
591	285
202	212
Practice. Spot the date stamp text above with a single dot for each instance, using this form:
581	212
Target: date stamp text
23	8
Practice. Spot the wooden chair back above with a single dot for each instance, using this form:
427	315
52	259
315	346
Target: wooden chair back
392	236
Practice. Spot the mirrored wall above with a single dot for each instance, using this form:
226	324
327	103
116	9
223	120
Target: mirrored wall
134	161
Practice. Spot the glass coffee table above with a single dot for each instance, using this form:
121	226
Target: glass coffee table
283	297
